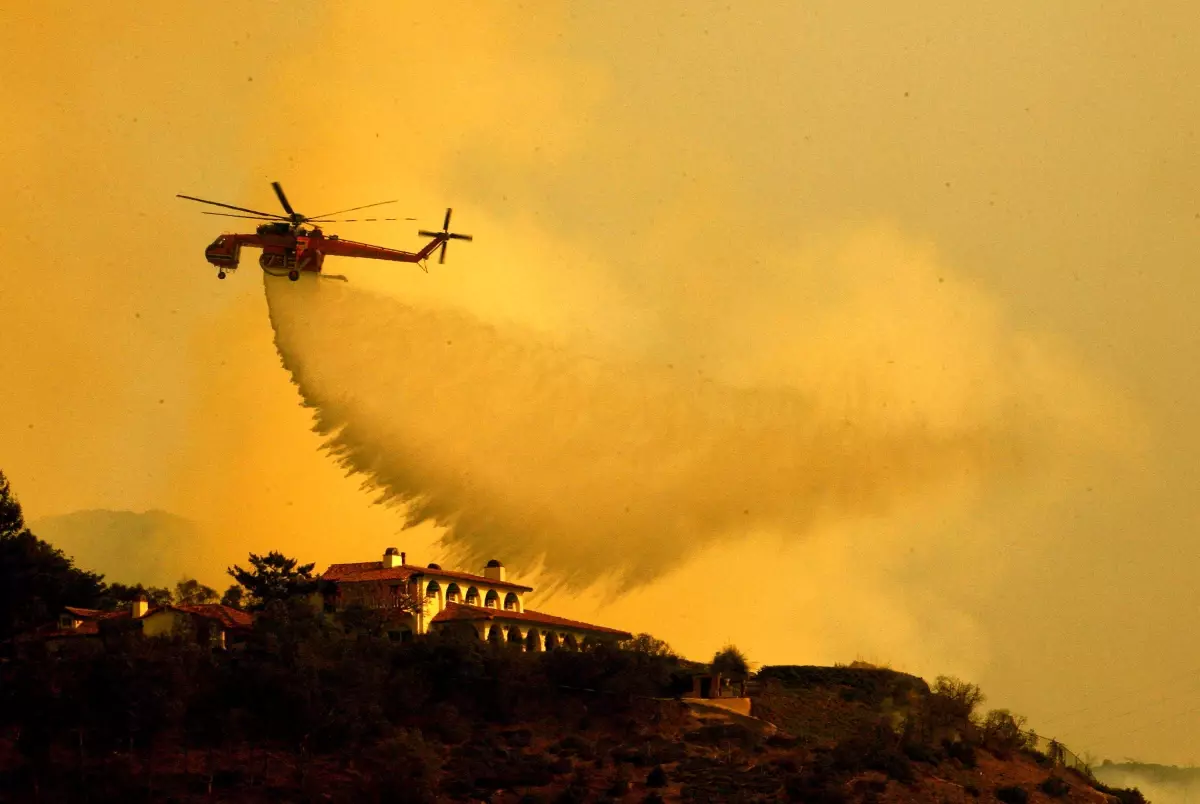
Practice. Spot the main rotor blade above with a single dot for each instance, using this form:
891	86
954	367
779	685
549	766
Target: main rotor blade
355	209
460	237
247	217
446	223
353	220
283	198
230	206
427	233
442	257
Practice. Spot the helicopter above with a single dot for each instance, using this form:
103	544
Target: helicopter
294	243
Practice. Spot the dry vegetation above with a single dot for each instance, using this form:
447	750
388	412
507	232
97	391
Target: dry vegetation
308	712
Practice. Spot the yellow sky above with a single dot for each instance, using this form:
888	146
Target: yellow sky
944	215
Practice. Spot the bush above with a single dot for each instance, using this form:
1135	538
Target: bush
920	752
657	777
405	769
1001	732
961	750
1055	787
812	789
730	662
1013	794
874	748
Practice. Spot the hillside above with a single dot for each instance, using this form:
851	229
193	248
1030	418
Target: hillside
306	712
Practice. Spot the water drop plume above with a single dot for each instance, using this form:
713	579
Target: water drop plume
523	450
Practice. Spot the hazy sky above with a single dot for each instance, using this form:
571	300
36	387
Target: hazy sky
949	216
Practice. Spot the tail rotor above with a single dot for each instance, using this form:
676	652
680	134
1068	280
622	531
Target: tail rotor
445	235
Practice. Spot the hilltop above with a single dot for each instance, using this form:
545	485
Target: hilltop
302	705
309	712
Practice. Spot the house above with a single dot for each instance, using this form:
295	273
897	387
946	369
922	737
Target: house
210	624
429	598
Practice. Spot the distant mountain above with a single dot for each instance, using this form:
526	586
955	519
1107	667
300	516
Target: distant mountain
155	548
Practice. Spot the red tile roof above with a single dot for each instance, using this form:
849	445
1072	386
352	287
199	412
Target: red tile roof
368	571
365	571
93	614
458	611
225	615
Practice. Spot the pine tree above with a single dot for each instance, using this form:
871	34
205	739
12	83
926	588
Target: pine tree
274	577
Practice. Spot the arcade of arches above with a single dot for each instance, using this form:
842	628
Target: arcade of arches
490	604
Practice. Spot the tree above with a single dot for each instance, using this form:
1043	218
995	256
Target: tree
274	577
949	711
12	520
650	646
731	663
119	595
189	592
36	580
1003	730
234	597
958	698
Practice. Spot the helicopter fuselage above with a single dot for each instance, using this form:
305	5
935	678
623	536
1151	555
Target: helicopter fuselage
290	251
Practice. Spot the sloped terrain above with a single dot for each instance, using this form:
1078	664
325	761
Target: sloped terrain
305	712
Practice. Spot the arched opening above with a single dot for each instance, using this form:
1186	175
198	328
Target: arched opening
496	635
492	600
512	602
453	594
570	643
514	634
472	596
589	643
552	641
433	596
533	640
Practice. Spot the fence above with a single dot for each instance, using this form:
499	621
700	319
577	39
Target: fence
1057	753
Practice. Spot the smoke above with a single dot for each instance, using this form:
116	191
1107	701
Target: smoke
528	449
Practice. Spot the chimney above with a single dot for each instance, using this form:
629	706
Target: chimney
139	607
495	571
392	558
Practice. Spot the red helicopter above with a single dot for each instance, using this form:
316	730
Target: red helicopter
289	247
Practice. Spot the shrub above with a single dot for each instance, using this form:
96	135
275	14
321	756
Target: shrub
1055	787
812	789
961	750
657	777
729	661
920	752
1001	732
874	748
1013	794
404	770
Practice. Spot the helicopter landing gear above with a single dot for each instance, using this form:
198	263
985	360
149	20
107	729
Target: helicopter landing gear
293	274
220	274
